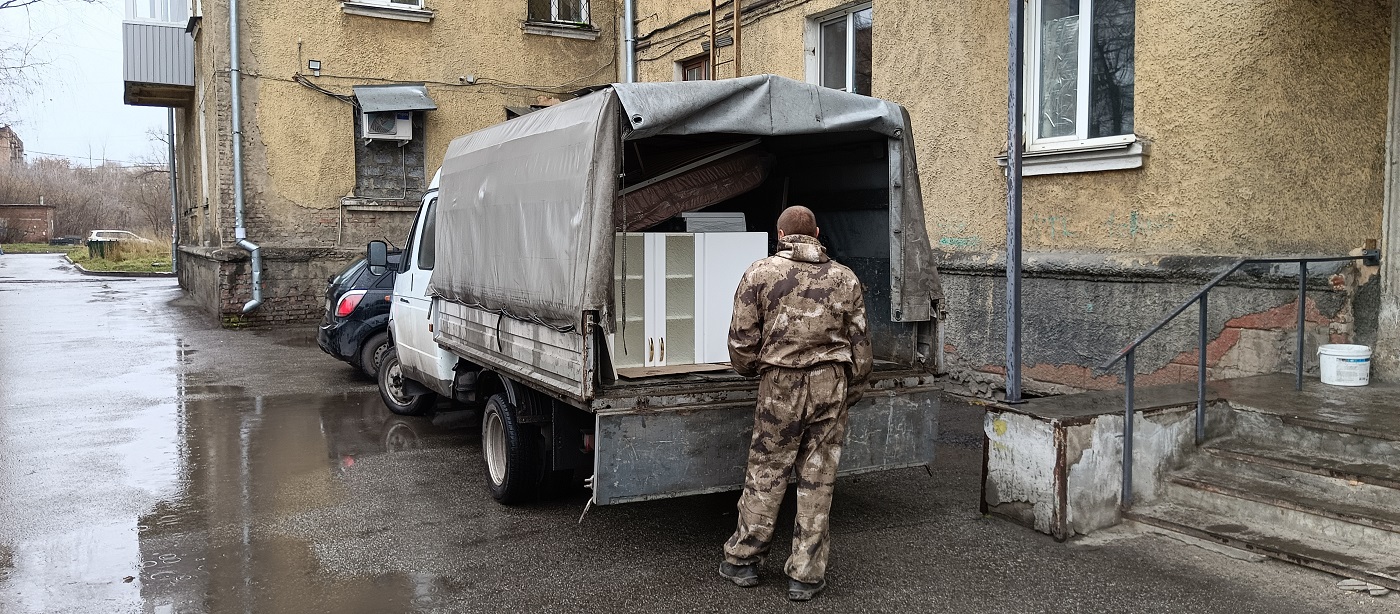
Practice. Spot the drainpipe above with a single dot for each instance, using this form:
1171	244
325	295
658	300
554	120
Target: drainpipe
174	206
240	232
629	36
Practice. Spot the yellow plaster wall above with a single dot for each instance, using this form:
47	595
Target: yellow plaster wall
299	149
1266	121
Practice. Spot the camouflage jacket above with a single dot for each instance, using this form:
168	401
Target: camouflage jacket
797	309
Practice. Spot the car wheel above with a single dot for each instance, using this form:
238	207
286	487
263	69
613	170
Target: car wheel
511	452
372	353
393	388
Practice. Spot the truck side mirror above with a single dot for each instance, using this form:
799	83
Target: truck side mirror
377	257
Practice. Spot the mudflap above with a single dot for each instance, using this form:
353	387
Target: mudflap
658	453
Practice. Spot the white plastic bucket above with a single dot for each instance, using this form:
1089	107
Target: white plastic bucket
1344	365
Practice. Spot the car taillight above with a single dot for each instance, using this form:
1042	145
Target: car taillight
348	302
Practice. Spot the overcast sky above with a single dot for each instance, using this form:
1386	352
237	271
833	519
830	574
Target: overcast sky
76	108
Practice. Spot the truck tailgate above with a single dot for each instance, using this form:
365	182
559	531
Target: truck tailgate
698	443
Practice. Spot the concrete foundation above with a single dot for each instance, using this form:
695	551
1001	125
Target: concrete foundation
1080	310
294	282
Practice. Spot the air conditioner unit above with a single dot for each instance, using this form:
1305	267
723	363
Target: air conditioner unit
387	125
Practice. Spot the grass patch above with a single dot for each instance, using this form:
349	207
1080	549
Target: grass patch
38	248
131	258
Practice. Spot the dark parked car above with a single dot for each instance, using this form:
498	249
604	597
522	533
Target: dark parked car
355	327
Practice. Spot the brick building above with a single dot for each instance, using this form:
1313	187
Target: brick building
22	223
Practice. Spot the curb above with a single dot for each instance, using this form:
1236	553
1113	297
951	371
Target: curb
116	273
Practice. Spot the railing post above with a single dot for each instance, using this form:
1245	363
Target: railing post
1131	365
1201	370
1302	321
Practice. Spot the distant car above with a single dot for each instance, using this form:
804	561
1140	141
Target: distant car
117	235
66	241
355	326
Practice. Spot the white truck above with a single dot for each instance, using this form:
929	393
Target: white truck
559	254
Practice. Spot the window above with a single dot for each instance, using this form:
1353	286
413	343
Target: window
844	50
427	244
1079	72
563	11
696	69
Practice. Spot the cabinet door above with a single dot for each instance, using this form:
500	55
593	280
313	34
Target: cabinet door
676	324
722	258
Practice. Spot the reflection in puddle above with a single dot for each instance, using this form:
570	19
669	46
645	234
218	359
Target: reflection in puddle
251	464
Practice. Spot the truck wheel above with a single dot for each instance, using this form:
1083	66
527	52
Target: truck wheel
511	453
392	389
372	353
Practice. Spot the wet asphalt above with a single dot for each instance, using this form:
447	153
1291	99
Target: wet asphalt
152	462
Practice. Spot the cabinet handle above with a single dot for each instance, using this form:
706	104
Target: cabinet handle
651	349
663	349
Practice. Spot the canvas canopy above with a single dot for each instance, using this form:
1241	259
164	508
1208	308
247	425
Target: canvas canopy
526	209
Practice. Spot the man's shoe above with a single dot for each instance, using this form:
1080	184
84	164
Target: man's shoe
803	591
742	575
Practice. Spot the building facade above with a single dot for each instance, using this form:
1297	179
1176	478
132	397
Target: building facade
26	223
315	78
11	147
1164	141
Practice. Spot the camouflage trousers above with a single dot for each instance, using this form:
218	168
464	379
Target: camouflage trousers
799	426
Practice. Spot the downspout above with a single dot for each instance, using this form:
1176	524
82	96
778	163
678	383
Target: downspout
174	202
240	232
629	39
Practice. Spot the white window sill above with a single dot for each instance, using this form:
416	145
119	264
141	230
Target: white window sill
402	12
1105	158
560	29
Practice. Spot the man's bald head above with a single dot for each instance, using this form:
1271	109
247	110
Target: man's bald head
797	220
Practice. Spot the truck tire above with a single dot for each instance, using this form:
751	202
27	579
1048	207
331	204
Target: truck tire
511	452
391	389
372	353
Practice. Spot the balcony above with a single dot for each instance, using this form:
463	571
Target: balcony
157	54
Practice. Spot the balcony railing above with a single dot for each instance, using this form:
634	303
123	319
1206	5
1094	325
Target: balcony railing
157	53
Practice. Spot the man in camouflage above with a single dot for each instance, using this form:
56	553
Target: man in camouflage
799	323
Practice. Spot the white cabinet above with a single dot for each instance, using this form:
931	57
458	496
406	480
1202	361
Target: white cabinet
674	295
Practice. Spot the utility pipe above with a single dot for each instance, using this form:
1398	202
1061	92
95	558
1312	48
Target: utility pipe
1015	140
737	45
174	202
240	232
629	29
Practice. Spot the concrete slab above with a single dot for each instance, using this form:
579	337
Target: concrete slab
1371	411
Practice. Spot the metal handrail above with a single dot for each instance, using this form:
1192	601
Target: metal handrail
1370	257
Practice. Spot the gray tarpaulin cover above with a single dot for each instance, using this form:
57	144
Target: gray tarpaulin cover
526	208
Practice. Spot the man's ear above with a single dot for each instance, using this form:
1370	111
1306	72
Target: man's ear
781	234
817	233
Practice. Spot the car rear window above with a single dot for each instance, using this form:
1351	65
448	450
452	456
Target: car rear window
350	273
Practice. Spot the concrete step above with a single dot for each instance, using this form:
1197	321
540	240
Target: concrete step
1366	471
1313	437
1310	549
1321	498
1358	531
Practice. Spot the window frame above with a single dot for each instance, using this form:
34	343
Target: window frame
427	239
848	14
585	14
703	61
416	5
1031	109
